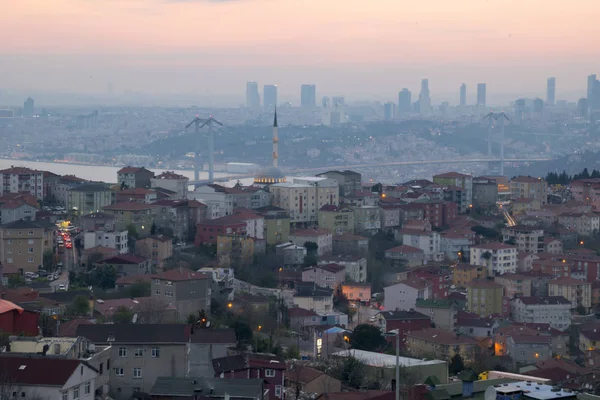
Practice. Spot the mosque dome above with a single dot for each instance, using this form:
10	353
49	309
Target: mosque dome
269	175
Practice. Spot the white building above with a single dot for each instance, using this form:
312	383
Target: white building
526	238
114	240
22	180
553	310
312	297
367	220
321	237
429	242
303	197
355	266
585	224
291	254
16	211
499	258
214	195
171	181
404	295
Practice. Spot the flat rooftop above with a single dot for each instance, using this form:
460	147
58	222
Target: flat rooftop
384	360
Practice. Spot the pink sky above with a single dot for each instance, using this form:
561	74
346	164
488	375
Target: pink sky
131	42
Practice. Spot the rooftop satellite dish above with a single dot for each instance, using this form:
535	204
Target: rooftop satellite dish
490	393
134	319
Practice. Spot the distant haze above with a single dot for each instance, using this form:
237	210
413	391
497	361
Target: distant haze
364	49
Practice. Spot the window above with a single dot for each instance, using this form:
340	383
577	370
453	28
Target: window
137	373
30	259
30	233
269	373
75	393
65	396
119	372
9	241
122	352
155	352
30	241
87	389
277	391
137	353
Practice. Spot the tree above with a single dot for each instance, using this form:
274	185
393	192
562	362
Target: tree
122	316
140	289
94	258
457	364
243	333
153	229
367	337
105	277
48	260
80	305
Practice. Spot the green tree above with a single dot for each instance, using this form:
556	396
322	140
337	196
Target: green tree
48	260
15	281
353	372
292	353
367	337
457	364
153	229
80	305
243	333
105	277
122	316
140	289
94	258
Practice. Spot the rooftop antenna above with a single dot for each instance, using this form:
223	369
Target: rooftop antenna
196	122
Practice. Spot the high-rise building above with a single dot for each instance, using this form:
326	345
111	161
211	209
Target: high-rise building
252	96
338	101
270	97
593	92
582	108
28	108
551	91
481	94
424	98
463	95
404	101
308	96
389	109
591	82
325	102
538	106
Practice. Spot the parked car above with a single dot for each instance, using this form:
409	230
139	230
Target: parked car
62	287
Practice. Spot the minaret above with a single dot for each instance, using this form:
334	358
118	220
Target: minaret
275	140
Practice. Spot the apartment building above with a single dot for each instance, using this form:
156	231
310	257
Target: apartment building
367	220
276	224
189	292
312	297
498	258
349	182
428	241
403	321
12	211
455	243
325	275
23	243
465	182
441	344
131	214
175	216
140	353
321	237
585	224
552	310
485	192
443	312
527	187
526	238
171	181
208	231
88	198
22	180
356	266
98	221
117	240
350	244
587	191
134	177
485	298
250	197
515	285
336	219
528	349
406	255
156	248
303	197
462	274
217	196
578	292
404	295
553	246
234	251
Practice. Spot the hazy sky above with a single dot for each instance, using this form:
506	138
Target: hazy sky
352	47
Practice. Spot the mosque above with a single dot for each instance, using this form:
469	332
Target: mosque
271	175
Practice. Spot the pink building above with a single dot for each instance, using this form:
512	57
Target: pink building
325	275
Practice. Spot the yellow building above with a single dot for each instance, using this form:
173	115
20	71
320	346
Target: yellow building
440	344
23	243
529	188
277	224
337	219
157	248
465	273
234	250
578	292
129	213
484	297
89	198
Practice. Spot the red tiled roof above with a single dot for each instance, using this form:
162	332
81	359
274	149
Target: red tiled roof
42	371
19	170
7	306
123	259
297	312
493	246
132	279
100	249
180	274
130	170
441	336
526	179
404	249
129	206
69	328
303	375
170	175
348	237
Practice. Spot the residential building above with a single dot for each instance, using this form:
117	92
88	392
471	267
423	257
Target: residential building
472	324
208	231
455	243
97	253
526	238
277	224
255	222
234	251
428	241
140	353
48	377
465	182
269	368
336	219
325	275
22	180
303	321
171	181
131	214
366	220
528	349
559	340
223	282
250	197
291	254
12	211
406	255
310	380
88	198
58	190
16	320
485	192
440	279
529	188
149	310
578	292
552	310
304	196
485	298
360	292
23	244
349	182
98	221
350	244
174	217
134	177
462	274
311	297
553	246
205	345
443	312
139	195
355	266
404	295
498	258
589	338
438	213
390	216
321	237
215	195
402	320
114	240
585	224
156	248
189	292
440	344
515	285
170	388
587	191
126	264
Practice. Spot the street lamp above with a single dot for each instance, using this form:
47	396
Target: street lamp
396	332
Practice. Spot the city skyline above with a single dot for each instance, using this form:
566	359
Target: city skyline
90	46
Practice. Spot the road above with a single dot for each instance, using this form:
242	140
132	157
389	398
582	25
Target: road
67	257
362	316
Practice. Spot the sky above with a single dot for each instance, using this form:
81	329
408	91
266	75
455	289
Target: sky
368	48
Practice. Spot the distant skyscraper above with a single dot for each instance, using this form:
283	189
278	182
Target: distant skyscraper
28	108
590	87
270	97
481	94
308	96
325	102
463	95
424	98
389	109
582	108
337	101
252	96
404	101
538	106
551	91
593	92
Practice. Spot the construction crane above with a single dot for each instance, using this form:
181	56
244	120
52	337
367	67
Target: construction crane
200	123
